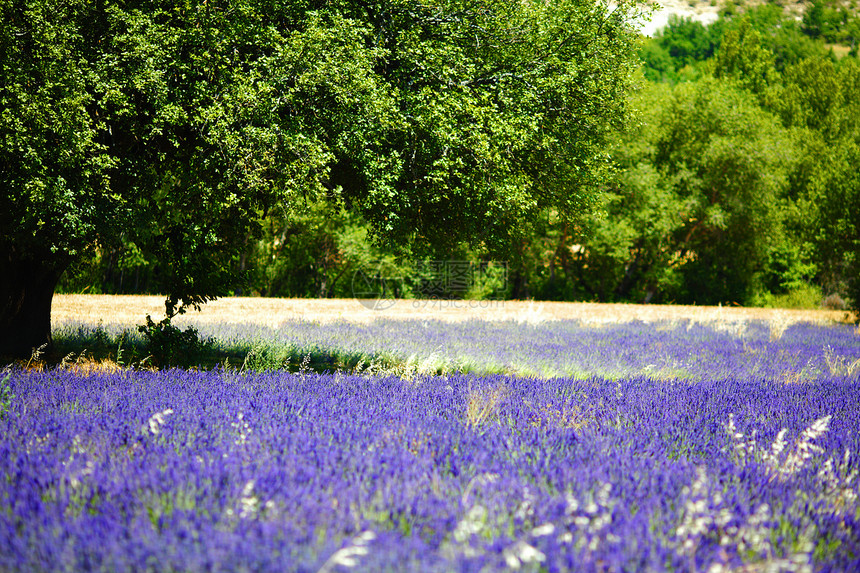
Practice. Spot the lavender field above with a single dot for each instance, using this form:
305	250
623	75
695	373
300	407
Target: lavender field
445	447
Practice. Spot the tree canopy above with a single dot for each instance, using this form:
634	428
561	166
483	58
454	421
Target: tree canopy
756	146
695	210
174	128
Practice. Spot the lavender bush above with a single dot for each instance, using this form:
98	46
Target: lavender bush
238	471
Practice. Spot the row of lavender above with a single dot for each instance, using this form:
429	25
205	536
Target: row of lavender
226	471
667	350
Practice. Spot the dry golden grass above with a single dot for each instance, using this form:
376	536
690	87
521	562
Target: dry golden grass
84	365
92	366
131	310
839	50
483	404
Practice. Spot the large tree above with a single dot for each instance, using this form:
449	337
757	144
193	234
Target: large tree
176	126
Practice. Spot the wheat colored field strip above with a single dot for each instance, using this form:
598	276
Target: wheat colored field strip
131	309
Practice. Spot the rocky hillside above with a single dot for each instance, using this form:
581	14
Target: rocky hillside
706	11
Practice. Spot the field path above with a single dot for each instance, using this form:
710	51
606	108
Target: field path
132	309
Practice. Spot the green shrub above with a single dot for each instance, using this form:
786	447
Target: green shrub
170	346
804	296
6	396
834	302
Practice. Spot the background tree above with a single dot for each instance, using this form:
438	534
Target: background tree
676	50
694	213
175	128
819	100
791	104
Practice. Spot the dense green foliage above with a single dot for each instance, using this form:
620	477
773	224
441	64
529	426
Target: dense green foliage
170	135
695	211
738	185
798	135
319	146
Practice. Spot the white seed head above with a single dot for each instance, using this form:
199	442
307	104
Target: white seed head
157	420
545	529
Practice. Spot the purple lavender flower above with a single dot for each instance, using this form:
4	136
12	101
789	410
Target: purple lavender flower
224	470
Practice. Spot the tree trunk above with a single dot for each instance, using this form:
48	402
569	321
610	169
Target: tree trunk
26	291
